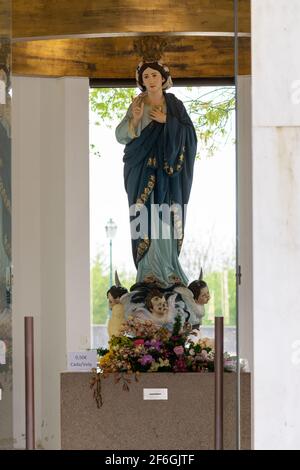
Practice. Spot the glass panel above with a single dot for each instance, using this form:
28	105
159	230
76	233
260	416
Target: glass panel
209	242
6	429
242	65
210	232
212	224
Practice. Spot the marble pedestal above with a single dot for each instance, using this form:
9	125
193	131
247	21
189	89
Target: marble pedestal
183	422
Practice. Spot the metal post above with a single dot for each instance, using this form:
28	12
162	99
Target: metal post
29	383
110	263
219	372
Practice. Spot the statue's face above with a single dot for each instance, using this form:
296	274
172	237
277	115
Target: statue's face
159	305
204	296
152	79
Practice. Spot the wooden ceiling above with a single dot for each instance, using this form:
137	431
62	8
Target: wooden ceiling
95	38
5	19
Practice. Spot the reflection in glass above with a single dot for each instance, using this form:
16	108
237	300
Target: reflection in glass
6	432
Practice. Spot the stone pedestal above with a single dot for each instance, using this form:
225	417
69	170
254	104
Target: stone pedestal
183	422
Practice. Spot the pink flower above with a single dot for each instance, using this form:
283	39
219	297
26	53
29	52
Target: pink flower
180	365
178	350
137	342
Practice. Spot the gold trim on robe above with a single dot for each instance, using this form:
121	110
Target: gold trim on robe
178	166
147	191
143	246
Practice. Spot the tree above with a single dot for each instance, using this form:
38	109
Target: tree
211	112
99	287
215	281
206	252
210	108
218	264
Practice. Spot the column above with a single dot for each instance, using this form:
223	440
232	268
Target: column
51	236
276	222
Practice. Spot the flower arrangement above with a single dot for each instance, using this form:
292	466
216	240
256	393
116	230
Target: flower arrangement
145	347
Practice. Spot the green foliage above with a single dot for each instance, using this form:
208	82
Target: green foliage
99	287
111	103
215	282
211	114
102	351
232	296
176	326
210	111
94	151
121	341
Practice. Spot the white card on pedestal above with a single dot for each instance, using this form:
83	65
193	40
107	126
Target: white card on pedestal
155	393
82	361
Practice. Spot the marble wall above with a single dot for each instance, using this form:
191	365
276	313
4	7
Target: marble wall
50	223
276	222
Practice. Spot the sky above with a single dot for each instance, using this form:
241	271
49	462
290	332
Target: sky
211	209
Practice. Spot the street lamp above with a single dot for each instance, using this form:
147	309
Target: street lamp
111	230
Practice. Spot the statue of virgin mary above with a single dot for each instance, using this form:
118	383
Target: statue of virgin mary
160	149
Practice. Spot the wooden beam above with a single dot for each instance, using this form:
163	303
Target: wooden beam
5	18
37	18
110	58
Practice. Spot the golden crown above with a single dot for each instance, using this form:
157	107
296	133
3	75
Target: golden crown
150	48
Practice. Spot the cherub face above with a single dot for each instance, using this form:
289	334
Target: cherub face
159	306
3	76
174	279
112	301
204	296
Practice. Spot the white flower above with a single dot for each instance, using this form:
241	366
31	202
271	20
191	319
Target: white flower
204	354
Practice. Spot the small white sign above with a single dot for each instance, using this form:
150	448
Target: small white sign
82	360
155	393
2	353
